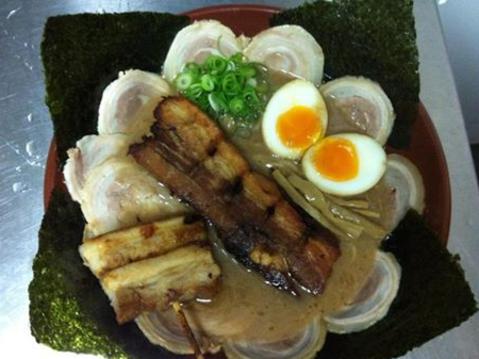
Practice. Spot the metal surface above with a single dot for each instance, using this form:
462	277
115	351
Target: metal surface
461	31
25	133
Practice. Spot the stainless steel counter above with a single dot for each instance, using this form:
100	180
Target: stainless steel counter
25	133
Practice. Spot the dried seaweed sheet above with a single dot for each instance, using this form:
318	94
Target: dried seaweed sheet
83	53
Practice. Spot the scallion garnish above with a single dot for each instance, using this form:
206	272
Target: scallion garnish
231	88
207	83
236	105
184	81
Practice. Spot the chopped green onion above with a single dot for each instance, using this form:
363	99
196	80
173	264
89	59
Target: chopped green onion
193	69
216	64
247	71
230	89
230	66
217	102
250	96
207	83
183	81
236	105
194	90
230	84
238	58
252	82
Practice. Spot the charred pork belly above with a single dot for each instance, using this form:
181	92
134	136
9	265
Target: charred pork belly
148	267
189	154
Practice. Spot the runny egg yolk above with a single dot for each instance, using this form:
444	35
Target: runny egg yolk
299	127
336	159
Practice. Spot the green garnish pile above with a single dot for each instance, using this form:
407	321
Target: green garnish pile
232	90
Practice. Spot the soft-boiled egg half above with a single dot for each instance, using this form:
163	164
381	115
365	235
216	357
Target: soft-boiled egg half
294	119
345	164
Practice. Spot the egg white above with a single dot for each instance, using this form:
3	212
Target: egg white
371	167
294	93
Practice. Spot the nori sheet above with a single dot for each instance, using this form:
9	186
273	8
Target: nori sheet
83	53
433	297
370	38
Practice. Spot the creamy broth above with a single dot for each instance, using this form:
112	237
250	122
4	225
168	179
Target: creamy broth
247	309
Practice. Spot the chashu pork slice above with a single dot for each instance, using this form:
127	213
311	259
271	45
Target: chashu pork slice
149	266
151	284
116	249
189	154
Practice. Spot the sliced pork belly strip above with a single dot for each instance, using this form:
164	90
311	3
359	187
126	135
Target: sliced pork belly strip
257	225
181	275
115	249
147	267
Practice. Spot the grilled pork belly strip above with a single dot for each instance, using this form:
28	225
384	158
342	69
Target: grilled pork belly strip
147	267
189	155
181	275
116	249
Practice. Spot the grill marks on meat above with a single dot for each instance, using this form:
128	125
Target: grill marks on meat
189	154
147	267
